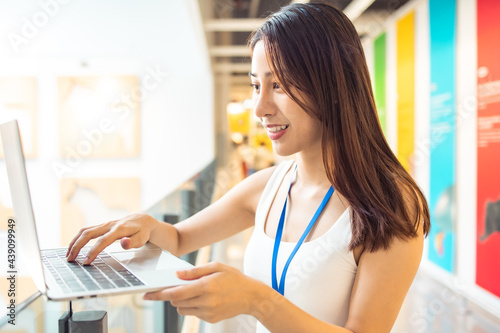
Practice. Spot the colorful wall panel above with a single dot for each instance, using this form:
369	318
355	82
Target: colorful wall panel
442	14
488	146
379	46
405	40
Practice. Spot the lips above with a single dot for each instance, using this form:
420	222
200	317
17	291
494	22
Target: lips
276	131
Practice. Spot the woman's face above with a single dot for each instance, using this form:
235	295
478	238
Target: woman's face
289	127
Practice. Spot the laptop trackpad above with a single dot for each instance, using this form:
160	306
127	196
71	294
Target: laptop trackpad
153	266
148	260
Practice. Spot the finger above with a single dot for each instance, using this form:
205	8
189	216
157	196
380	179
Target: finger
162	295
126	243
103	242
84	237
189	311
194	302
134	241
74	240
175	293
199	271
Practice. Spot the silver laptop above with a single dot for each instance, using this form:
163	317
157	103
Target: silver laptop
116	271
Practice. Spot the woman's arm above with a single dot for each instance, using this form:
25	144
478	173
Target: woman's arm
234	212
382	282
220	292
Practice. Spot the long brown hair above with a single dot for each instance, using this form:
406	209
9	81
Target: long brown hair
315	48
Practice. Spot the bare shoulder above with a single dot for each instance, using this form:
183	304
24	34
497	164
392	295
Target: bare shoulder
250	189
385	275
254	184
261	177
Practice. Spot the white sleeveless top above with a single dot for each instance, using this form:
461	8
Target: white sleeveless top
321	275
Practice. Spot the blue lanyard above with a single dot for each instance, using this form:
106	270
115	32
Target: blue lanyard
281	287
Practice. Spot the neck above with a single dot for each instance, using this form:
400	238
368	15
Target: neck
310	169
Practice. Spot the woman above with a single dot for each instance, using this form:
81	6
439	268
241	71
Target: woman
338	232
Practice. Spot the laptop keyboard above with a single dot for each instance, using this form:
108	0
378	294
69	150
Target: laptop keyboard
103	273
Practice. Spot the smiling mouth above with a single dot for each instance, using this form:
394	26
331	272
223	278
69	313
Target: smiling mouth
276	129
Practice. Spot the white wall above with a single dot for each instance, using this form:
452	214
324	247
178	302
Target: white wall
114	38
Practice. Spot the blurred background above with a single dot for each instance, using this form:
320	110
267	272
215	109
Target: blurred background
129	106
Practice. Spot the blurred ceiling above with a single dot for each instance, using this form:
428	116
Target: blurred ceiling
228	24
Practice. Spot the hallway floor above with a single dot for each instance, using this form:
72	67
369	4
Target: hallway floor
432	307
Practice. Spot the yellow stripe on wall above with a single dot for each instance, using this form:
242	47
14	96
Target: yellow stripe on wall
405	32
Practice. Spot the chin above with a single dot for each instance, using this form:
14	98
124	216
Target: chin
283	151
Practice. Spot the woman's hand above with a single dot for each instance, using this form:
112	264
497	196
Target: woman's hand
134	231
219	292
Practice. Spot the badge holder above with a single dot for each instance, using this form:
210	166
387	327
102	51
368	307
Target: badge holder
83	321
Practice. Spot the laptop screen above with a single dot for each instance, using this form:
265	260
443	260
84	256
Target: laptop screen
27	246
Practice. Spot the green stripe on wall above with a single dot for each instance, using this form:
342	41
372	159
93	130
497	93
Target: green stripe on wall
379	72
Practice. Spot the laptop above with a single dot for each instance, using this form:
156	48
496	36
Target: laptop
115	271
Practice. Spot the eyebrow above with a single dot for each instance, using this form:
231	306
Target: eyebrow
266	74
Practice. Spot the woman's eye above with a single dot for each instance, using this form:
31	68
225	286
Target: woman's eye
254	86
276	85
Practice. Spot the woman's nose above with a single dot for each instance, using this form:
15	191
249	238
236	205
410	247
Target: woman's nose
263	105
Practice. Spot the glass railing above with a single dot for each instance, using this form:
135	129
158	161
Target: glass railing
36	314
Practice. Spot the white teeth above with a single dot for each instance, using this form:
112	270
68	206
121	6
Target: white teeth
277	128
